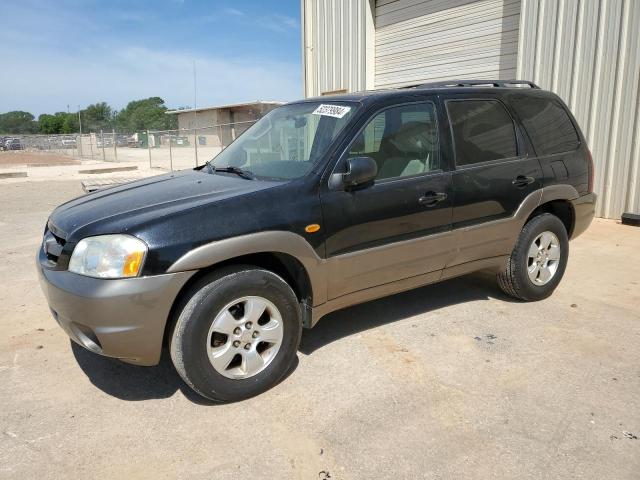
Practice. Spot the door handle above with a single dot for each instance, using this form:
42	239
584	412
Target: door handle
430	199
521	181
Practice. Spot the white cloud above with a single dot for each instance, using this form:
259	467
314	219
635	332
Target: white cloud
118	76
233	11
279	23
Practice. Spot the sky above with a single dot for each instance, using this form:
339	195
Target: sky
77	52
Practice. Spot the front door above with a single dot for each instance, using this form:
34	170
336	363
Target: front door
398	227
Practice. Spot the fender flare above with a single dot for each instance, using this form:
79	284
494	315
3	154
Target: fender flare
260	242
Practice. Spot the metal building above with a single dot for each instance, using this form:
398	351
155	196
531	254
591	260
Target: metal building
587	51
221	124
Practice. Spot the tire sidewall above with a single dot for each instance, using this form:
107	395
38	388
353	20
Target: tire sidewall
189	341
539	224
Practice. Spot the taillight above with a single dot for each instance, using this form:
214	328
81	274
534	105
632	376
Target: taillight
591	170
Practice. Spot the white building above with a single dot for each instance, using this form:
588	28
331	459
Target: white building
587	51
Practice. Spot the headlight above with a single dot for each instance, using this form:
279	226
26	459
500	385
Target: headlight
108	256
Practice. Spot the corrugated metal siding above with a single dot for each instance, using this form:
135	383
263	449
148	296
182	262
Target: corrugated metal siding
335	44
425	40
588	52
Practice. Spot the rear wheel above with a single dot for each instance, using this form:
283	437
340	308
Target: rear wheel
237	334
537	263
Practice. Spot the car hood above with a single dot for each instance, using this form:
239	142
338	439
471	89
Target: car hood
122	208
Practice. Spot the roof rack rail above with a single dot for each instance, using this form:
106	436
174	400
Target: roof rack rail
473	83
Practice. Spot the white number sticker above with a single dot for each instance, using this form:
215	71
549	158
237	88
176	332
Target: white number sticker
337	111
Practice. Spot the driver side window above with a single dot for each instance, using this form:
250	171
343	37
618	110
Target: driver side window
402	140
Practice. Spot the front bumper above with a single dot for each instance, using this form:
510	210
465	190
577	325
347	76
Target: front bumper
584	209
121	318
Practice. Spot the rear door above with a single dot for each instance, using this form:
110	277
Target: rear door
398	227
493	173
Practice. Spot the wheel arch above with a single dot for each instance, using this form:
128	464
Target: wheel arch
285	265
556	200
563	209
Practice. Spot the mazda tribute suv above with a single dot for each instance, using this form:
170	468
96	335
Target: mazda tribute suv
322	204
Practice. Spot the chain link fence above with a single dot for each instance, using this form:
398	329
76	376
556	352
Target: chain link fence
188	148
165	149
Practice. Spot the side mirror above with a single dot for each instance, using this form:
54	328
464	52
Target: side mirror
359	171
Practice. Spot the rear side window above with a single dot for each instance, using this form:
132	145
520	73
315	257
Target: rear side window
547	124
482	131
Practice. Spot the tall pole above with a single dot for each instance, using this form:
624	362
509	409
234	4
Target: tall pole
195	112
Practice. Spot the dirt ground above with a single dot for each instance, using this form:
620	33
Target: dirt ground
449	381
30	158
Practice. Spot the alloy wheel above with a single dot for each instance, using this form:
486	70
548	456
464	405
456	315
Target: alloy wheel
245	337
543	258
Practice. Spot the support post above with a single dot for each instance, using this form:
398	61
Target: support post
170	154
115	147
195	142
149	147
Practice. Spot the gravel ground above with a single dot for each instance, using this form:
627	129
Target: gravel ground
448	381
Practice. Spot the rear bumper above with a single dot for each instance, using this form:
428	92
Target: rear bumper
123	318
584	209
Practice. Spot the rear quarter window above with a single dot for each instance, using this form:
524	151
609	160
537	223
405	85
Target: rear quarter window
547	123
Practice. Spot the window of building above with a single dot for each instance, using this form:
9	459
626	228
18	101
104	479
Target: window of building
482	131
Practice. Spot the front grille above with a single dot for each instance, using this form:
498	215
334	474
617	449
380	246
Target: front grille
52	246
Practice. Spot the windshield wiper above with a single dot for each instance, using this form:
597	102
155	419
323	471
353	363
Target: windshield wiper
237	170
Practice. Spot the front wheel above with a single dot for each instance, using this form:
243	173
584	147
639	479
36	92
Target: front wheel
237	334
538	261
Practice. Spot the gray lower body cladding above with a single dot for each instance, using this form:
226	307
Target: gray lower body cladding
122	318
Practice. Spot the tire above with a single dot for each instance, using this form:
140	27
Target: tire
196	339
516	279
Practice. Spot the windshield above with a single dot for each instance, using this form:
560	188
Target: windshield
288	141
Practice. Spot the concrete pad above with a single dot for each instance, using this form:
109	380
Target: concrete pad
109	169
13	174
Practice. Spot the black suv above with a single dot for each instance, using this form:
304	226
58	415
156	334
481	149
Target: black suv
322	204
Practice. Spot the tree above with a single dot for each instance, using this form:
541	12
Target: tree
146	114
61	122
70	124
51	124
96	117
17	122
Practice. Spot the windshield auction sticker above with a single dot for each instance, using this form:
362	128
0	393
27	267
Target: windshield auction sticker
337	111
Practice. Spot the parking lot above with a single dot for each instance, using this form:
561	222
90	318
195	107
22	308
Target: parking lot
453	380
